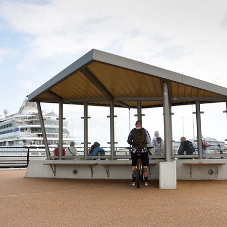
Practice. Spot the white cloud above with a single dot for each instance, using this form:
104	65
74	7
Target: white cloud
3	52
224	20
26	84
71	26
160	32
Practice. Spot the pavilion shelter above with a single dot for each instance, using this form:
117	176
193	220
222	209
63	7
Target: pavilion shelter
103	79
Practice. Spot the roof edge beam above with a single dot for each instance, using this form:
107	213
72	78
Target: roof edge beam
206	99
96	83
210	99
121	100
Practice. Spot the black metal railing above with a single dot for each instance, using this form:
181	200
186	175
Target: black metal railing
12	156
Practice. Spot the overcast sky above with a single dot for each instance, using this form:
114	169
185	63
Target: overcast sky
38	39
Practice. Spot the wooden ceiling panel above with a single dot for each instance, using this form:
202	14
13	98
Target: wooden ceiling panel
174	89
194	92
181	90
125	83
151	103
157	85
201	93
120	82
44	96
75	86
133	104
188	91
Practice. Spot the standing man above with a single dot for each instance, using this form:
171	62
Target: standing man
139	138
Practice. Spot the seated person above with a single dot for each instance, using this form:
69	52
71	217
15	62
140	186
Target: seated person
205	145
156	149
159	142
95	148
186	146
155	143
56	151
71	150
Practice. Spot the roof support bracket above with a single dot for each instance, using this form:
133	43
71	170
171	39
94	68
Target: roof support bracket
54	95
97	83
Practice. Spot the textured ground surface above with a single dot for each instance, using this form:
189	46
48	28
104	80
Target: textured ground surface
62	202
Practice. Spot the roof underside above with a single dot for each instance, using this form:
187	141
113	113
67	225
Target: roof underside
99	82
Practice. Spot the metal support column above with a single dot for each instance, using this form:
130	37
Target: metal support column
139	112
225	111
112	142
199	131
167	127
85	129
170	124
43	130
60	145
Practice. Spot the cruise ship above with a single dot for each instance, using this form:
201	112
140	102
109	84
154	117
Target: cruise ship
23	128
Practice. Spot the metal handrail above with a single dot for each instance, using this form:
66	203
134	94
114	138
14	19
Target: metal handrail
122	150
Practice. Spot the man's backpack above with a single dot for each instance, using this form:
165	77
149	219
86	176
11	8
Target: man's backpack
189	147
139	139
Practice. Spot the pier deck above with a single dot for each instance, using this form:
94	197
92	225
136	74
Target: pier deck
79	202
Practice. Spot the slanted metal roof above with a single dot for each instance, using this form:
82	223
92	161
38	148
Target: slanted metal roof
98	77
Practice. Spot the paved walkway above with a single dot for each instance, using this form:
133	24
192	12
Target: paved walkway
66	202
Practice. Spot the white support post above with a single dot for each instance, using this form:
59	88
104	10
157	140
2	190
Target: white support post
199	131
139	112
167	169
167	123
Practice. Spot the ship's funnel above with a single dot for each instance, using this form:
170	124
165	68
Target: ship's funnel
6	112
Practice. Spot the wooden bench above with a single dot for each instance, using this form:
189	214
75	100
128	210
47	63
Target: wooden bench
90	164
208	163
107	165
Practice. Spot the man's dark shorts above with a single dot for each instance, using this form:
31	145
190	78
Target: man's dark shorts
143	157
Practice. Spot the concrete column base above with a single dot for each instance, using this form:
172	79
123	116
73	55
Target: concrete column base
167	175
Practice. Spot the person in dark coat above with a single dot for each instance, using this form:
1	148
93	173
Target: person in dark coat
185	146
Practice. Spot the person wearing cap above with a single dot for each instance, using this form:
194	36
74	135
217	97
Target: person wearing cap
71	150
